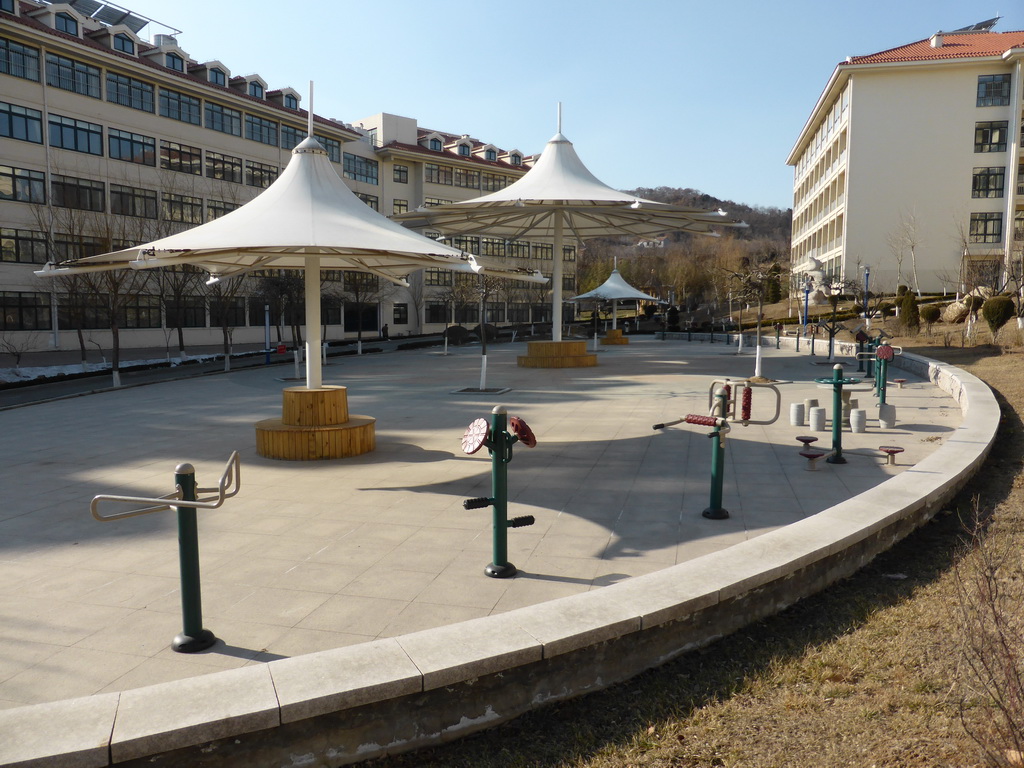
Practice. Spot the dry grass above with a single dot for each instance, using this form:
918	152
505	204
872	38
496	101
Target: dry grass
869	673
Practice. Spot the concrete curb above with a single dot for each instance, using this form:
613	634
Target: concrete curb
354	703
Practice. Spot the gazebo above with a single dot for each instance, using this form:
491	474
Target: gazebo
308	219
559	195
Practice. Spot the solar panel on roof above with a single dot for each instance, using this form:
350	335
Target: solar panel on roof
110	15
85	7
134	23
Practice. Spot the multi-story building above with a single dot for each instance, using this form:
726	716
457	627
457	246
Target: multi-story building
910	165
109	140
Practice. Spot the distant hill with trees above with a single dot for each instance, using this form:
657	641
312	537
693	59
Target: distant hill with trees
765	222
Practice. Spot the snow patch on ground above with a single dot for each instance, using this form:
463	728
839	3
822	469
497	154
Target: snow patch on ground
12	375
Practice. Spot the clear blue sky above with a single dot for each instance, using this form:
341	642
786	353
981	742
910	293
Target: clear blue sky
672	93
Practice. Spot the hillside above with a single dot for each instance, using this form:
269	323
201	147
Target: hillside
769	223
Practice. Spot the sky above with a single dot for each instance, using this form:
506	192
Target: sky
675	93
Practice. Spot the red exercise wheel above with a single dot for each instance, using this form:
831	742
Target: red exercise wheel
885	352
476	435
522	430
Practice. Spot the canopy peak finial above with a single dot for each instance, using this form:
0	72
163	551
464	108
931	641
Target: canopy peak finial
559	117
309	111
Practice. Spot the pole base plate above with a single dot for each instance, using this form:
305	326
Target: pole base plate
715	514
505	571
193	644
836	459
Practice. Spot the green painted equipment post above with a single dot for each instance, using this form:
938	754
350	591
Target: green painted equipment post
501	455
193	637
715	510
837	416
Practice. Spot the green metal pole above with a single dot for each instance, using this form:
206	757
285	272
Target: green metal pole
501	454
837	416
715	510
193	637
883	372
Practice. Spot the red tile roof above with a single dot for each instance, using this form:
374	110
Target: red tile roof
955	45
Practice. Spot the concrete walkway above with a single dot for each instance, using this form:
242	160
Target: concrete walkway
312	556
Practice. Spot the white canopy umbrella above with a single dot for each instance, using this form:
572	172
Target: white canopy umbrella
614	289
307	219
559	193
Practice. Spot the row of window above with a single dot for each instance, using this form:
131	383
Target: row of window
26	186
30	311
436	145
75	76
462	177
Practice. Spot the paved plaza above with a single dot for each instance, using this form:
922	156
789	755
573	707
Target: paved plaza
316	555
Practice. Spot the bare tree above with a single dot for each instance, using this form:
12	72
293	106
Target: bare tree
223	297
16	347
903	241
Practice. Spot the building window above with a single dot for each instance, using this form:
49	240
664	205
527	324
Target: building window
19	60
990	136
81	194
993	90
7	6
463	150
333	147
517	249
256	90
128	201
360	168
217	208
259	175
542	251
129	92
437	174
140	312
435	144
70	75
22	246
492	246
124	44
66	23
429	201
223	167
371	200
986	228
263	131
24	311
223	119
76	135
179	106
218	76
401	315
465	243
988	182
399	206
492	182
175	62
21	123
227	312
468	179
181	158
131	147
291	102
437	312
516	159
183	208
187	312
400	174
434	276
491	155
291	137
22	186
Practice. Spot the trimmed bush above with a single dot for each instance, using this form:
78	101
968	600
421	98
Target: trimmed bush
910	315
997	312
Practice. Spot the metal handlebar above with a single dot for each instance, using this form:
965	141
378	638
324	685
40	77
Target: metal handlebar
223	491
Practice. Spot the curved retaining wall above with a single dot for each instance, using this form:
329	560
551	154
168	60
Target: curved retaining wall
350	704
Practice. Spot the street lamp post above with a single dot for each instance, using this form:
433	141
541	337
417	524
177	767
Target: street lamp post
867	296
807	299
835	290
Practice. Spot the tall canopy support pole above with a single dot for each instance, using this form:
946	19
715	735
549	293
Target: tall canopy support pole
314	371
556	278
